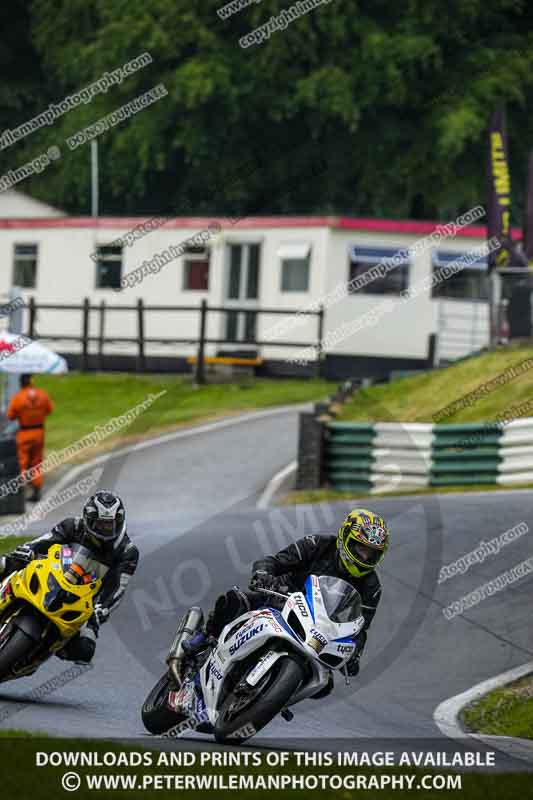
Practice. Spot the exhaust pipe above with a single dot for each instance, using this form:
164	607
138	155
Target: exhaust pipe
188	626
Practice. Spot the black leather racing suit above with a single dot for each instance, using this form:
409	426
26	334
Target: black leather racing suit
311	555
120	556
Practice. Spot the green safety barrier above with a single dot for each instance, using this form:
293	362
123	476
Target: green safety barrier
459	454
348	455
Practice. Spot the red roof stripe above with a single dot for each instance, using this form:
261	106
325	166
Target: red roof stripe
198	223
363	224
410	227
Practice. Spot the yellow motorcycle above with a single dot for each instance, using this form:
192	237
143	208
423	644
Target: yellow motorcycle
44	605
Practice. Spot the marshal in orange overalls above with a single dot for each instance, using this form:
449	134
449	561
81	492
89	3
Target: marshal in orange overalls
30	406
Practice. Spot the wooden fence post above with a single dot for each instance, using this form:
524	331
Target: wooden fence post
141	363
85	336
101	336
200	368
320	337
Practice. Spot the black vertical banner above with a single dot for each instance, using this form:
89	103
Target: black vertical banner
499	190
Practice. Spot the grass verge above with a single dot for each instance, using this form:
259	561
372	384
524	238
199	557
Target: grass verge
8	543
83	401
418	398
504	712
332	496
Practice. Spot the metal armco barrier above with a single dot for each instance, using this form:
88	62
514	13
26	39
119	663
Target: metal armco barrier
393	456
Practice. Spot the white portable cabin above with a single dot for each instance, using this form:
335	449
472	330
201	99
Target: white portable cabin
255	263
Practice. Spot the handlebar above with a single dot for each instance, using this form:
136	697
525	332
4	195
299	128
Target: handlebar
23	554
271	591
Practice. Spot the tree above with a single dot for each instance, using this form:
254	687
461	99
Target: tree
369	108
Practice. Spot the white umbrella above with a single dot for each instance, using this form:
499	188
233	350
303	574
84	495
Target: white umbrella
18	354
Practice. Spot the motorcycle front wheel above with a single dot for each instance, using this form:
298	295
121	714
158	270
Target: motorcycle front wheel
243	715
14	648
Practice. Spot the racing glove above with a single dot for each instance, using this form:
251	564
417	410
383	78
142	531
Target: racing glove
99	616
263	580
19	558
23	553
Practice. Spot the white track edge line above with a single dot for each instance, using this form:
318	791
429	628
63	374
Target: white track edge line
447	715
273	485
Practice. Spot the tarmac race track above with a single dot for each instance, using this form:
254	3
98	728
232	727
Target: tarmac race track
191	506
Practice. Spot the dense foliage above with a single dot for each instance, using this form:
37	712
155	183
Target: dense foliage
368	107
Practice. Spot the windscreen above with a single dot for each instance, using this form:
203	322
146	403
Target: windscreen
80	565
342	602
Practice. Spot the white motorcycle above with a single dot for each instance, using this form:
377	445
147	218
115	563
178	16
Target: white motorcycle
264	662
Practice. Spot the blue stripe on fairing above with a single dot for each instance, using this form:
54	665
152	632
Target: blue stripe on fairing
347	639
282	622
309	596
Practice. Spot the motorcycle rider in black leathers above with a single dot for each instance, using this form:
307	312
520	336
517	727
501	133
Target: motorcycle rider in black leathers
352	555
102	530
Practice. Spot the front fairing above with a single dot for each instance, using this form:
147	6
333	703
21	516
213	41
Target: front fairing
43	584
333	643
240	639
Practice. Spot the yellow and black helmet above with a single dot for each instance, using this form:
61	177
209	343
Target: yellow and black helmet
362	541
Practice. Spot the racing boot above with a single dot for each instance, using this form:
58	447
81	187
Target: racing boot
196	644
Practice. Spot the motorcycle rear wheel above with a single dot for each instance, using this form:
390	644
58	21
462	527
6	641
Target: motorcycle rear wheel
236	727
156	716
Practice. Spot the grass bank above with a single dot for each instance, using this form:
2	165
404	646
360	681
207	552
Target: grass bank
420	398
83	401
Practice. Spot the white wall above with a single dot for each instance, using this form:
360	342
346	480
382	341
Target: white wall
401	333
66	274
302	329
404	331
